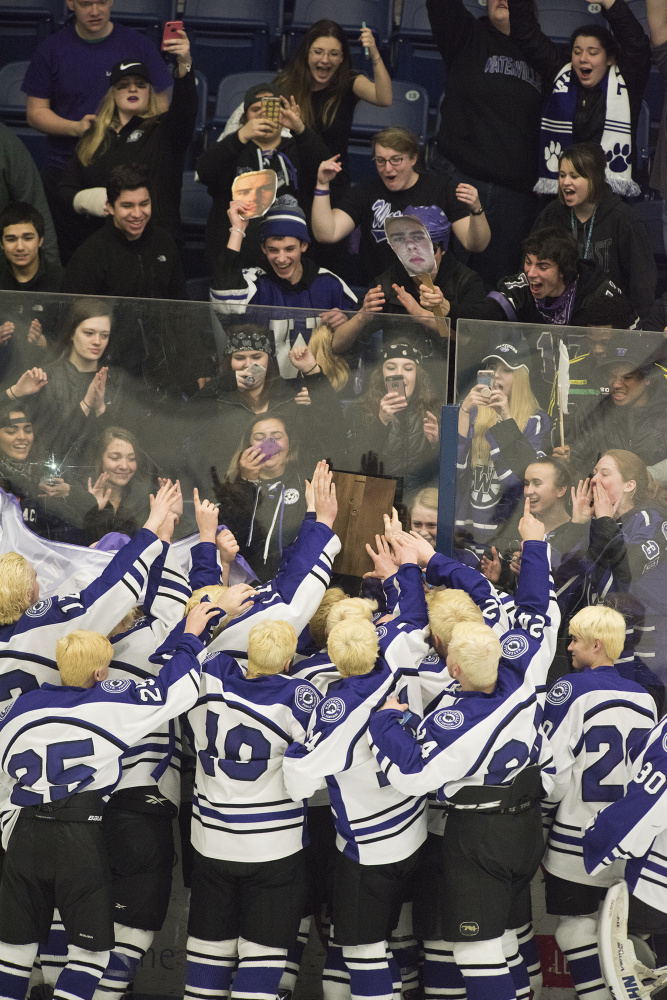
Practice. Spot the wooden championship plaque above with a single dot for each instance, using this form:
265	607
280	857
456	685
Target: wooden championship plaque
362	500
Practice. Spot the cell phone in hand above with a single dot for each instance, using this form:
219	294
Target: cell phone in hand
171	30
485	377
253	373
271	110
268	447
395	383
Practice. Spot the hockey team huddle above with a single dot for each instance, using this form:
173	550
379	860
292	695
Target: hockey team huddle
395	775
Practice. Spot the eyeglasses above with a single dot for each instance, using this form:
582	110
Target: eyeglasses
394	160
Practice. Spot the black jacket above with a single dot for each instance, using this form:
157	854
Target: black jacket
640	429
619	243
159	143
295	160
18	354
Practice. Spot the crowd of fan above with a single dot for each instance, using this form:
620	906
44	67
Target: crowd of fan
109	393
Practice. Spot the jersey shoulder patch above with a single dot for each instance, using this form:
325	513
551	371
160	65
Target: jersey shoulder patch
559	692
514	646
116	685
332	710
306	698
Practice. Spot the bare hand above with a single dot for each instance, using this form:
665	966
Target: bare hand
259	129
431	428
227	546
390	405
302	398
324	491
179	47
405	548
530	529
161	504
82	126
177	505
373	300
368	41
491	568
328	170
236	599
166	529
100	491
562	451
394	703
236	218
383	562
6	331
478	396
333	318
393	523
29	383
206	516
425	550
198	618
582	502
429	298
302	358
499	402
409	302
35	335
94	398
250	462
56	488
290	115
469	195
602	505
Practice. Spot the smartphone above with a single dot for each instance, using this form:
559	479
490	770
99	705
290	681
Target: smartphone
268	447
485	377
171	30
271	110
253	373
395	383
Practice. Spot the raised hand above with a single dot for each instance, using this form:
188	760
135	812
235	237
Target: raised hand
29	383
206	516
582	502
328	170
392	524
237	599
302	358
491	568
425	550
96	391
290	115
179	47
431	428
405	548
324	494
198	618
368	41
227	546
383	562
431	297
161	504
56	488
602	504
177	506
499	402
530	529
390	405
409	302
250	463
333	318
234	213
302	398
35	335
100	491
6	331
469	195
373	300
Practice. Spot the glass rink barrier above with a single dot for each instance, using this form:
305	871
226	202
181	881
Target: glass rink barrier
575	420
100	398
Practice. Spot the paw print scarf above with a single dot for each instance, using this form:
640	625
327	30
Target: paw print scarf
556	132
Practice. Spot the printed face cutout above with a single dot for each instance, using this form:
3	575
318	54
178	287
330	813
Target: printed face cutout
410	241
257	192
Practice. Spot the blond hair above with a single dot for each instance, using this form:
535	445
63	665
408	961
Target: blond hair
476	650
214	594
351	607
599	622
15	587
446	608
353	646
79	654
333	365
318	623
128	621
270	645
522	405
107	117
427	498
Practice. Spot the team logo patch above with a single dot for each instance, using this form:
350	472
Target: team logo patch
513	646
651	549
664	738
117	685
469	928
291	496
134	136
39	609
305	698
381	631
209	656
559	693
431	658
332	710
449	718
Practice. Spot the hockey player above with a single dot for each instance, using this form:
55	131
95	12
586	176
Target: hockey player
249	881
59	752
481	753
379	831
592	710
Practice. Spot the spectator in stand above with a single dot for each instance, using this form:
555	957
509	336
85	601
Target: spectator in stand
292	280
489	489
398	185
23	335
490	120
130	128
632	415
20	182
606	229
120	487
593	89
657	24
257	145
555	286
394	427
69	75
323	83
395	291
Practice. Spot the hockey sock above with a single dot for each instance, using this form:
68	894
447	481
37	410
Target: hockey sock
369	971
259	971
395	972
577	938
295	954
531	956
484	969
16	961
53	953
81	975
131	946
404	948
210	967
516	964
335	977
442	976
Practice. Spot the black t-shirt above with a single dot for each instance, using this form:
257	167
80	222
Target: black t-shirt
336	135
371	202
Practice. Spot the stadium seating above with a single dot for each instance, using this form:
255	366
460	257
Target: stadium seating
559	18
12	98
23	25
409	110
377	14
415	57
